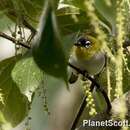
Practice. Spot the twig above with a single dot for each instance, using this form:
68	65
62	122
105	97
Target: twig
32	29
94	82
14	40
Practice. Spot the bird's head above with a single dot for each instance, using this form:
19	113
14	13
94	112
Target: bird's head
86	47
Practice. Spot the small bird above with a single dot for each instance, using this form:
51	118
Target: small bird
87	56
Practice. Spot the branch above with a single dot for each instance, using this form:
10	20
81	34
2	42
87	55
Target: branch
96	84
14	40
83	104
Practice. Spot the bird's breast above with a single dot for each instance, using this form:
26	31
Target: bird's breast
93	66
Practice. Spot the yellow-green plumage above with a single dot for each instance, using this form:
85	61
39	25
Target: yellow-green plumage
90	59
87	53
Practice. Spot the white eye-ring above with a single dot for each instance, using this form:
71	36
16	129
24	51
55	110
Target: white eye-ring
87	44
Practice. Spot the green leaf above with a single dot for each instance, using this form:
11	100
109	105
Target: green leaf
48	52
4	21
68	24
77	3
30	10
27	75
126	75
99	101
14	105
37	113
107	11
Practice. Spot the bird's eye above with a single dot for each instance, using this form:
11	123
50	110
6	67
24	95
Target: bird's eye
83	42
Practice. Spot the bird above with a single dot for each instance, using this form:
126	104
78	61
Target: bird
86	55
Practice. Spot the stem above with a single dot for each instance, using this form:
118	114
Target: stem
14	40
96	84
32	29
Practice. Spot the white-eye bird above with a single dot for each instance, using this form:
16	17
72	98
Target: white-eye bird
86	55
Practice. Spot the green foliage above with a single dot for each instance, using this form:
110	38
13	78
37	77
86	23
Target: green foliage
4	21
48	52
68	24
76	3
30	10
15	105
20	76
16	10
107	11
37	112
26	67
